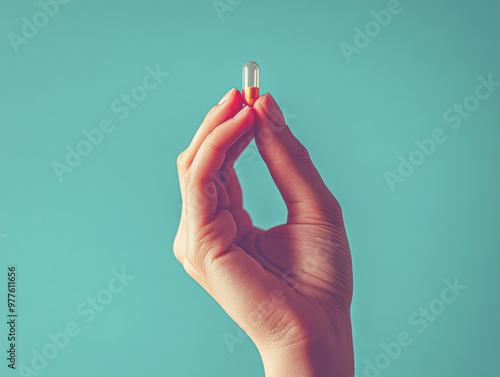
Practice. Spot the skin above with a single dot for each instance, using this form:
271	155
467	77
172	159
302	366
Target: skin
289	287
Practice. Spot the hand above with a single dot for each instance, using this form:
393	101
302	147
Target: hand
290	287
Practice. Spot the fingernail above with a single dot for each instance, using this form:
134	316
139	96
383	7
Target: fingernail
273	111
226	97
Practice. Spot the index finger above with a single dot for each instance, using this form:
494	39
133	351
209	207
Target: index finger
227	108
200	187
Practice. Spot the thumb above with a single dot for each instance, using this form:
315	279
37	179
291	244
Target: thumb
288	161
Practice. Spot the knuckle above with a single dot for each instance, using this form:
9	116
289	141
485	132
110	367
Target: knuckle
188	267
332	212
336	206
181	160
196	261
190	260
301	152
333	205
178	250
214	140
212	242
177	254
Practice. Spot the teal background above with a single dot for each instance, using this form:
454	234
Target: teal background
120	207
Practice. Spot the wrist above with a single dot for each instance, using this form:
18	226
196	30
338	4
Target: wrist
329	354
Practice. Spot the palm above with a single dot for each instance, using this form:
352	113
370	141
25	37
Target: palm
309	262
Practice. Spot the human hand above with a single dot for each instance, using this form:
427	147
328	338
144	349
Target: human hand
290	287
